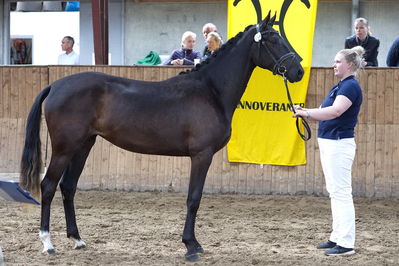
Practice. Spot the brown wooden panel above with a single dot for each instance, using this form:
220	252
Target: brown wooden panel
371	96
395	166
14	92
322	89
389	108
380	97
3	96
257	179
267	179
28	94
12	145
360	165
363	84
226	173
96	153
6	88
388	159
283	179
395	88
4	156
379	160
242	177
311	102
370	160
375	172
292	180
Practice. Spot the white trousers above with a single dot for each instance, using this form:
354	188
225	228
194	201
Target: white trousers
336	158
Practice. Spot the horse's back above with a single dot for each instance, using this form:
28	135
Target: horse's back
147	117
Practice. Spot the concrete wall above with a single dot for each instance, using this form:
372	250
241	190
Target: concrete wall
330	31
333	25
159	26
1	31
383	19
136	28
115	32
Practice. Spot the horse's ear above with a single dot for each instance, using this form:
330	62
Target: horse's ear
271	22
266	20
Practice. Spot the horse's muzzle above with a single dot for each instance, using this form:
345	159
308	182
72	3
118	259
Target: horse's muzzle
295	75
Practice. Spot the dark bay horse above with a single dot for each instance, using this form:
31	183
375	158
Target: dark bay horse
186	115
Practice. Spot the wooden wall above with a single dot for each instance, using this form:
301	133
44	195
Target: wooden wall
375	171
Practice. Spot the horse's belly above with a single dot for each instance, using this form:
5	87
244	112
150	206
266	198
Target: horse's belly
147	145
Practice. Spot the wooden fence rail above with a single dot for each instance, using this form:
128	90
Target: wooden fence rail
375	171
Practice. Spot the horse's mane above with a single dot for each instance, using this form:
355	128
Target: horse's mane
223	49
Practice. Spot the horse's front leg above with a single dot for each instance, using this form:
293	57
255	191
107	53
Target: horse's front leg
199	168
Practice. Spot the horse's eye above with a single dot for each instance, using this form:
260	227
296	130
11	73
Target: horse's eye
273	40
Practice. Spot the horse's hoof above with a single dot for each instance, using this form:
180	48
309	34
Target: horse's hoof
80	247
51	251
192	257
79	244
200	250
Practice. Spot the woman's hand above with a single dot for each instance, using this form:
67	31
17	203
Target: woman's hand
297	107
300	112
363	63
178	62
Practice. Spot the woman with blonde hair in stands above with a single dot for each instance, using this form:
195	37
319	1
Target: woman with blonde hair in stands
363	38
186	54
213	42
338	115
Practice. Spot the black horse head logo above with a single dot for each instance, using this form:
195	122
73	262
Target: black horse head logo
280	22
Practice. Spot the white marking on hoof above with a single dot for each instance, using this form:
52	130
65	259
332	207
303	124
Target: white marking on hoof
46	240
1	257
79	243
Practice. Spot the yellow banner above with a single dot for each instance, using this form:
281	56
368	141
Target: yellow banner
264	131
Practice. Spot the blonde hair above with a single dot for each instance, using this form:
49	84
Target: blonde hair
365	22
188	34
362	20
354	56
216	37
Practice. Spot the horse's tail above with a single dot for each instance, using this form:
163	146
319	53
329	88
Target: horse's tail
31	161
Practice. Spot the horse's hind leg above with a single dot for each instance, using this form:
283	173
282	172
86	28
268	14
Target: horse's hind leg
48	187
68	188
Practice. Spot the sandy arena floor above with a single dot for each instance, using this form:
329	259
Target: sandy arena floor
130	228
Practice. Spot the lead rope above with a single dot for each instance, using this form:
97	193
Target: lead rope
307	132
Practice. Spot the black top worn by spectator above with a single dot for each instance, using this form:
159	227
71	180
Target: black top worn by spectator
206	52
370	44
393	54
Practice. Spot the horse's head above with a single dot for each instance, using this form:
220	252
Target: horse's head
270	51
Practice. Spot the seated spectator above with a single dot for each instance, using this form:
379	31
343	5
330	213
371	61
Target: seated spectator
186	54
393	54
363	38
206	29
213	43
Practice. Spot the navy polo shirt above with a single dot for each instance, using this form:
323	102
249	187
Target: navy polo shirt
343	126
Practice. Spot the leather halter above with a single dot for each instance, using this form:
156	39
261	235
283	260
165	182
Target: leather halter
278	67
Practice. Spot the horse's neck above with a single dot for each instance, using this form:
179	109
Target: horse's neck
230	74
